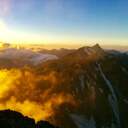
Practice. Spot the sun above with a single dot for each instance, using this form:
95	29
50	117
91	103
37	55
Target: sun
6	34
4	30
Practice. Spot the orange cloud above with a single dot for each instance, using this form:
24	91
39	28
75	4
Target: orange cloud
32	94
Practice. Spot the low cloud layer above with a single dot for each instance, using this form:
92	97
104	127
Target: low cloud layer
28	55
33	95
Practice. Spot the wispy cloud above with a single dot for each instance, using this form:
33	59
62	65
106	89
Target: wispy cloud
5	6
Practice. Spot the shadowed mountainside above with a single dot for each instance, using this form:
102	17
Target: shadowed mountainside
12	119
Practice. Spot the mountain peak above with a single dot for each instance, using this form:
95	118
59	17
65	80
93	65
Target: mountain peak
96	49
96	46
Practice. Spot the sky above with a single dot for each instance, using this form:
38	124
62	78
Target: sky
64	21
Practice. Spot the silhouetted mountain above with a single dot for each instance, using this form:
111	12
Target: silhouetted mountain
12	119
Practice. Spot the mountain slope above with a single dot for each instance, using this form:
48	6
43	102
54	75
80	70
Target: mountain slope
98	81
92	84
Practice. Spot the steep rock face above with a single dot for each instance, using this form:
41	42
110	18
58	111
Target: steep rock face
12	119
96	49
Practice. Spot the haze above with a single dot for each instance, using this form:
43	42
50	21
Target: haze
64	22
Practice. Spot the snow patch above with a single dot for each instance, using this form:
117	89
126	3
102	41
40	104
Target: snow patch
112	98
89	51
124	70
101	90
88	84
126	101
82	82
81	122
115	109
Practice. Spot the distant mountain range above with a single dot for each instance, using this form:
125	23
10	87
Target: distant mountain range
96	79
12	57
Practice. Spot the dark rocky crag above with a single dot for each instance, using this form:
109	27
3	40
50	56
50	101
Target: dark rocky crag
12	119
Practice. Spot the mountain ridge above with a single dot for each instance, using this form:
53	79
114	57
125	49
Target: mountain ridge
13	119
93	89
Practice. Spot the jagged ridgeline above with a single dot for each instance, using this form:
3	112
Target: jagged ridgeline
12	119
78	88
